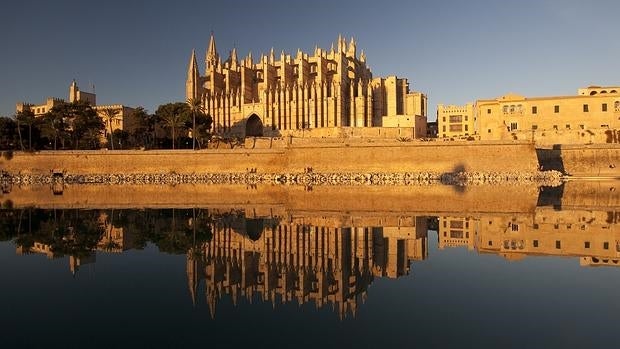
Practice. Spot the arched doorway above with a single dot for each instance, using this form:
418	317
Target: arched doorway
254	126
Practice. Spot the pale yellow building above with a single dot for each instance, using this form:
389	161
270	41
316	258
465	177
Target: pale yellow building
279	95
456	232
123	119
591	116
455	120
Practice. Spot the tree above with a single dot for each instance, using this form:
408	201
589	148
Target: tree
8	131
173	116
25	117
53	127
122	137
144	130
195	108
203	133
109	114
76	123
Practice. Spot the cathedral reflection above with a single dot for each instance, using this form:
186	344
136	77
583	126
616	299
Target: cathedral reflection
312	258
302	261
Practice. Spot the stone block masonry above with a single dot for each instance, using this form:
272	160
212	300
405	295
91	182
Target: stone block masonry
388	157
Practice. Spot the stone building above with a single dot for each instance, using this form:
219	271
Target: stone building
123	119
455	120
282	94
591	116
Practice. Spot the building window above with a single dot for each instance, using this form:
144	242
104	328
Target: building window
444	128
604	126
489	110
444	119
465	117
555	127
558	244
514	227
556	109
534	110
534	127
604	107
567	126
505	109
585	108
456	118
535	243
582	127
616	106
456	128
586	244
513	126
606	245
466	128
489	131
490	243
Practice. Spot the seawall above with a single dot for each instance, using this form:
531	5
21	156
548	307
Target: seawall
594	160
388	157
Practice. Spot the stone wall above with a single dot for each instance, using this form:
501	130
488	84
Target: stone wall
395	157
582	160
296	201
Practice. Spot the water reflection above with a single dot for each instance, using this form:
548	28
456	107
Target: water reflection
323	258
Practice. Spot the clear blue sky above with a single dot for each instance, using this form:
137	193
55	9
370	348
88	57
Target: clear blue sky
136	53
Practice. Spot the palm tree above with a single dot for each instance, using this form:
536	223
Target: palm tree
110	114
25	117
195	107
173	121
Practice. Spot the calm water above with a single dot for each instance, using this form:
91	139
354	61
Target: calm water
226	277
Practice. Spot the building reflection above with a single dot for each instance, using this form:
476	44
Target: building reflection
592	236
332	260
301	261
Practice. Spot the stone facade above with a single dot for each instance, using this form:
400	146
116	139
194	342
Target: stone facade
326	89
123	120
455	120
582	118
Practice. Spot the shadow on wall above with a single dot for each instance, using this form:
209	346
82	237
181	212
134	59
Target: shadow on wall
551	196
612	136
550	159
458	188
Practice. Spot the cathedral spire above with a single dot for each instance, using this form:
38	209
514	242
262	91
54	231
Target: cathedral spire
193	76
233	56
352	48
212	57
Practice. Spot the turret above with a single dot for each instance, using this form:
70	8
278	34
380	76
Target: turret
212	58
192	83
73	92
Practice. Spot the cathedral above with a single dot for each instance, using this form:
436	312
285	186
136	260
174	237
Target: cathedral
285	94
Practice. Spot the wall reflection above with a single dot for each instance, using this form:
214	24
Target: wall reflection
322	258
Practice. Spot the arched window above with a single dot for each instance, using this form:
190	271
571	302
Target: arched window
592	93
617	105
512	108
505	109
